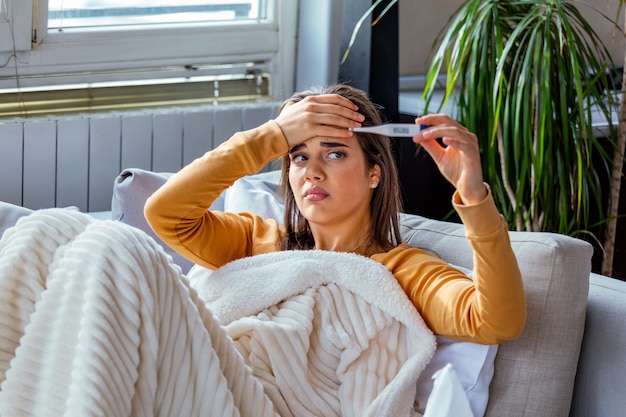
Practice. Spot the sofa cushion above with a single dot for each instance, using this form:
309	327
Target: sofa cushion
534	374
9	214
131	188
256	194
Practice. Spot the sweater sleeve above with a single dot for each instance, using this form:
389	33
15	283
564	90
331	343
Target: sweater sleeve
178	211
489	308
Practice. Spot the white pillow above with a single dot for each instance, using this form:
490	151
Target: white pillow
256	194
473	364
447	398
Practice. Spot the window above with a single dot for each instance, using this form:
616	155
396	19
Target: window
71	14
70	44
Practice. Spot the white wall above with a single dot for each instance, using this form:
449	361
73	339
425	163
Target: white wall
421	21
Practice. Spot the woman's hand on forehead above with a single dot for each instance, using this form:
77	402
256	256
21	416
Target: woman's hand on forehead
327	115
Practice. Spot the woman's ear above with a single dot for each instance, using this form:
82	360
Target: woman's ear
374	176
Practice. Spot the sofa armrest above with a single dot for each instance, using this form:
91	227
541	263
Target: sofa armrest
599	388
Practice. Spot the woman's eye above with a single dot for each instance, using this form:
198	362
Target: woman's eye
336	155
297	159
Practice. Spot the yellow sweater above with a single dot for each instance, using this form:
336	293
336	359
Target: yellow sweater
488	309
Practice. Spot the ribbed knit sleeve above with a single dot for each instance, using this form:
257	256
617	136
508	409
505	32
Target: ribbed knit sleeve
489	308
178	212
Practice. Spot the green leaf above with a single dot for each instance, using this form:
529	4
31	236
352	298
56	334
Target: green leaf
362	19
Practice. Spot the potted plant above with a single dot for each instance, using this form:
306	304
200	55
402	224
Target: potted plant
526	77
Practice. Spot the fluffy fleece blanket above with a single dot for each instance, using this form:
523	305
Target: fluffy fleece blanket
96	320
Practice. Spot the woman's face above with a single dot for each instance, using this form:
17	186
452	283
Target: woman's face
331	182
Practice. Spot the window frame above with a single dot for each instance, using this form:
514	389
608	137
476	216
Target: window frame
86	56
16	11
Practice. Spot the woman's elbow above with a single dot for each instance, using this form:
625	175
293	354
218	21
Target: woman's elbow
150	210
511	329
154	213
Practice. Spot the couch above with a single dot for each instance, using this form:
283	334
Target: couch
567	361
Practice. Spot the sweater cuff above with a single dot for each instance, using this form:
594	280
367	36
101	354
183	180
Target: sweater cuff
479	219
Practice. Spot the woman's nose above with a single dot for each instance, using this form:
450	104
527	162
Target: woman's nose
314	170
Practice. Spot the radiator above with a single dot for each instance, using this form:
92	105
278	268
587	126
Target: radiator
73	161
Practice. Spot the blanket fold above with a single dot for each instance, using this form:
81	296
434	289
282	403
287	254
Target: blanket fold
336	329
95	319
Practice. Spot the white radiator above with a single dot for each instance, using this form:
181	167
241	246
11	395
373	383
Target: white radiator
73	161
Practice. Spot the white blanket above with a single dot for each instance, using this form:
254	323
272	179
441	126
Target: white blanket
96	320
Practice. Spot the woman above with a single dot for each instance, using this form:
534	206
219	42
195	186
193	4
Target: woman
95	319
341	194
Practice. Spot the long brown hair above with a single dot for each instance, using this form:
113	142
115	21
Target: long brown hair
385	203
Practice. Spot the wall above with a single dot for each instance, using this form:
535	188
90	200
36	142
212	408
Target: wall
421	21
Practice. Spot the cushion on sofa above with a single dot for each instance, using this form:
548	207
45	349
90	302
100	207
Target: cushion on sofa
256	194
131	188
9	214
534	374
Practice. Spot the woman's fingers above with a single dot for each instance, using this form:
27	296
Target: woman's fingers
329	115
449	131
458	158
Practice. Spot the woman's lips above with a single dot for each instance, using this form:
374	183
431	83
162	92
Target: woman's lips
315	194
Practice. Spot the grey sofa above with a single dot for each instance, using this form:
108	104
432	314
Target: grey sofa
567	362
570	359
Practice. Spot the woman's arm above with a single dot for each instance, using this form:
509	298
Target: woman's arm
495	309
490	308
178	211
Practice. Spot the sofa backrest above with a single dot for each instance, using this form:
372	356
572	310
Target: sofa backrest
534	374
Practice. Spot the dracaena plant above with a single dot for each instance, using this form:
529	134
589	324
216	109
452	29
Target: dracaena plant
526	77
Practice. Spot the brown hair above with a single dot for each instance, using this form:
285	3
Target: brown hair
385	203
